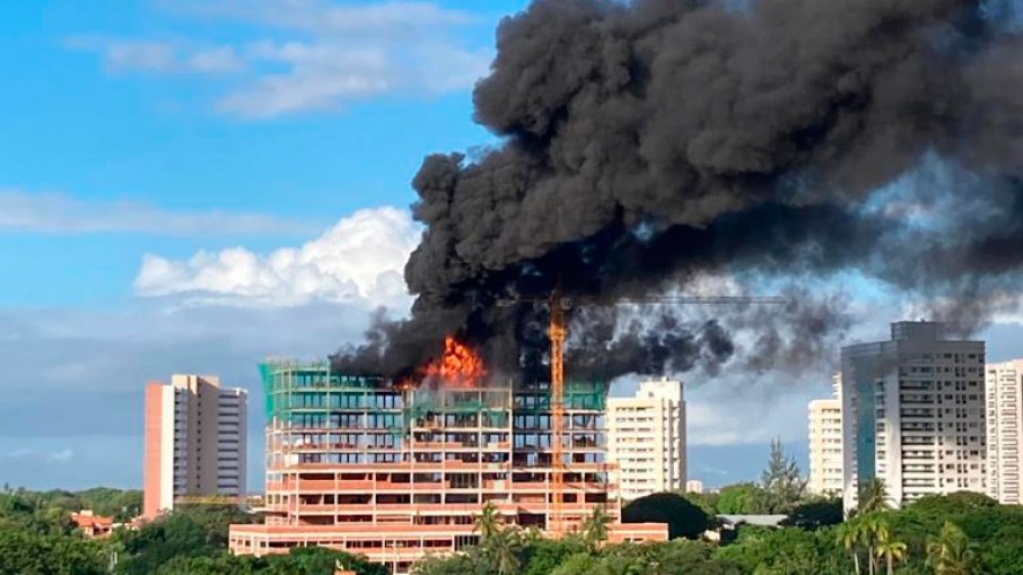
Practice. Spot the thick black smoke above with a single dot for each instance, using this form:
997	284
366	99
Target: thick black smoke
646	144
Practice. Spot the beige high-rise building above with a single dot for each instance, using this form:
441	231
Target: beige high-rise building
646	437
195	441
825	432
913	414
1004	382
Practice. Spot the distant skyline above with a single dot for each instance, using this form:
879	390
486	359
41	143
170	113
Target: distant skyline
191	187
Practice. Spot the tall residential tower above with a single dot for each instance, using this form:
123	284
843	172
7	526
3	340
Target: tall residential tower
1004	430
913	414
194	441
825	432
646	437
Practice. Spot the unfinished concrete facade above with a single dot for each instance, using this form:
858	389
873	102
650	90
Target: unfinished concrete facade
395	474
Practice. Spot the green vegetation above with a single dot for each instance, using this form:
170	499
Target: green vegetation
979	537
684	518
780	491
50	509
308	561
815	513
781	483
38	538
959	534
192	532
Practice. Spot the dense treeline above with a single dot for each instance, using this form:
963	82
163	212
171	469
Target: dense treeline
37	537
52	508
959	534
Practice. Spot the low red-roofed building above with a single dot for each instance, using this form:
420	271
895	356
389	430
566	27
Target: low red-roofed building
93	526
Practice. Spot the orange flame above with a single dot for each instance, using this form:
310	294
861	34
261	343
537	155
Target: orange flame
458	366
405	384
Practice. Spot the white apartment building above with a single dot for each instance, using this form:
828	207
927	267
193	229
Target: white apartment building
195	441
1004	429
694	486
646	437
825	433
914	414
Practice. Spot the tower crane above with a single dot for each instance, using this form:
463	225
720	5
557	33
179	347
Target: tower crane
557	330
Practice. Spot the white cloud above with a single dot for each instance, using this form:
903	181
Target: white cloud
723	413
311	55
153	56
163	57
84	400
736	407
359	260
46	456
22	211
62	455
95	460
214	60
319	77
447	69
313	15
325	75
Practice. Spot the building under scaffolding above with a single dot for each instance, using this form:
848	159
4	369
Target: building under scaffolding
395	474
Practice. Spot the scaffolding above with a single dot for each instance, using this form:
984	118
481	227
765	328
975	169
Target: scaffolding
357	465
578	395
291	388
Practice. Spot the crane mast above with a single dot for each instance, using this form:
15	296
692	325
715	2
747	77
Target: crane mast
558	331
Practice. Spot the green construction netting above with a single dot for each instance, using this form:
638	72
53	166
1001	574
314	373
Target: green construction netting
310	395
577	395
290	387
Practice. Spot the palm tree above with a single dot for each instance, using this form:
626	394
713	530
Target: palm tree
505	548
848	535
532	535
595	528
874	497
952	553
488	523
498	544
889	549
869	530
872	527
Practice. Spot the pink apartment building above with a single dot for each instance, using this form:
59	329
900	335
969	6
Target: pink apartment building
195	442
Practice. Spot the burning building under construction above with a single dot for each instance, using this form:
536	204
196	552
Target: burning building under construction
643	146
398	472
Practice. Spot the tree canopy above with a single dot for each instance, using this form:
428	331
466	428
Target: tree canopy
121	505
742	499
684	519
959	534
780	490
783	485
815	513
984	538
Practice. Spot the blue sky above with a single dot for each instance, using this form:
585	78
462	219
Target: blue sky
94	111
158	131
193	185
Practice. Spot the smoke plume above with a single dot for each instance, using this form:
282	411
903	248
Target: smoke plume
650	143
